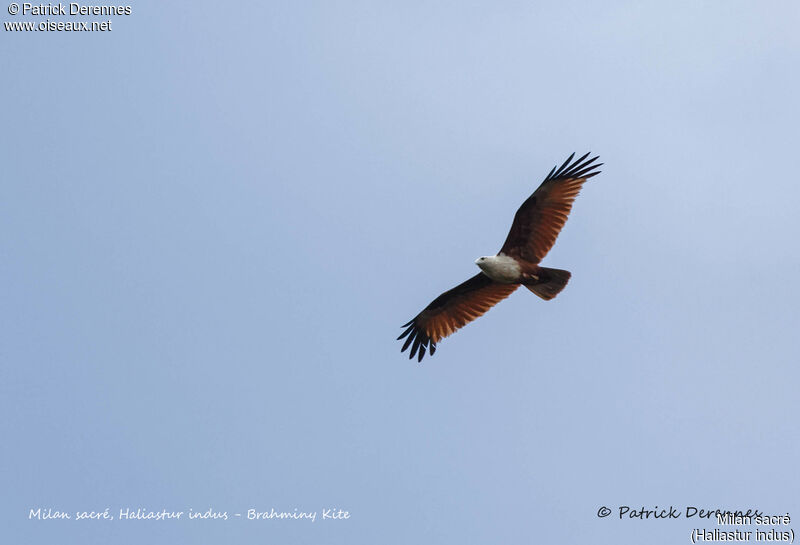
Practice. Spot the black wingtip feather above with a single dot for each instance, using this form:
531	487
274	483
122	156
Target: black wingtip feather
580	168
584	157
409	340
418	340
414	347
561	169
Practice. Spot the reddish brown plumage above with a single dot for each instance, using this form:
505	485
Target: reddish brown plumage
542	216
452	310
536	226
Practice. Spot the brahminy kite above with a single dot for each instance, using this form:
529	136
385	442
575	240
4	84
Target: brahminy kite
533	232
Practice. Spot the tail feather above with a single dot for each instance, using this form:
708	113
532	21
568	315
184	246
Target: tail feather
550	282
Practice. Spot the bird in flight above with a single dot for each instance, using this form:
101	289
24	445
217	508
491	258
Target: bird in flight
534	231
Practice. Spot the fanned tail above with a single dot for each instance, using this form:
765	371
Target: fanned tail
550	282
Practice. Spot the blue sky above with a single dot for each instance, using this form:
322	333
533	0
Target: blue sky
214	220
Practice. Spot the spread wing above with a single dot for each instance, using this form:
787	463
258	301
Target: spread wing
541	217
452	310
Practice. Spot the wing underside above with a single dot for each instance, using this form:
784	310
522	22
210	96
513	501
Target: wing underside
451	311
541	217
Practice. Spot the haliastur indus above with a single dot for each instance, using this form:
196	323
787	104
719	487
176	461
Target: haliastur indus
533	232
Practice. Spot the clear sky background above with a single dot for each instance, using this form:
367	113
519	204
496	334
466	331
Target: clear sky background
214	219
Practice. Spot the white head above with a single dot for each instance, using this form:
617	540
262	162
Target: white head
500	268
484	262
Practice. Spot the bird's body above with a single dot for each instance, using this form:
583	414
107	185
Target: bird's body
533	232
501	268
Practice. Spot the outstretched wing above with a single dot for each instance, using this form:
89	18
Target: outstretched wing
541	217
452	310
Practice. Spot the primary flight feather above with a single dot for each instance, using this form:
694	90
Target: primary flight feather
533	232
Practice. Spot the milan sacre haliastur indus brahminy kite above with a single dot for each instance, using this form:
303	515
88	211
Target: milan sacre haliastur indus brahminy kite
533	232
